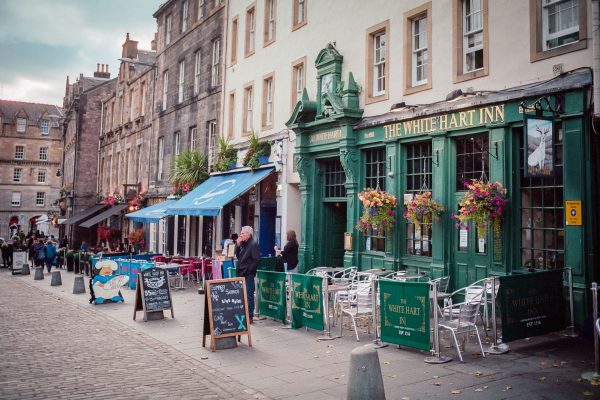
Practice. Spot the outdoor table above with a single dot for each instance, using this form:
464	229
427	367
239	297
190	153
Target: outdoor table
173	266
329	289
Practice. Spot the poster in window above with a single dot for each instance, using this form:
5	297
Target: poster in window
539	149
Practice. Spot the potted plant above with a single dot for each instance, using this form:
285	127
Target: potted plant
189	169
422	209
379	210
112	199
484	202
258	152
227	155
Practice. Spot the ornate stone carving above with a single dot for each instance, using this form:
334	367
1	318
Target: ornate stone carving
303	166
349	160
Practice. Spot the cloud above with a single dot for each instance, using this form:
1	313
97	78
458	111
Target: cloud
44	41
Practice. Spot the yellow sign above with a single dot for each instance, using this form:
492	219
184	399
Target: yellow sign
573	212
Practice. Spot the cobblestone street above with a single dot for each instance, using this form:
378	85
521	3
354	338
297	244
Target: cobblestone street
55	349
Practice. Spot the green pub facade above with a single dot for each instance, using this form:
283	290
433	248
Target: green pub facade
550	221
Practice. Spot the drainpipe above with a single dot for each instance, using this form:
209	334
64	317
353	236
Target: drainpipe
596	56
99	147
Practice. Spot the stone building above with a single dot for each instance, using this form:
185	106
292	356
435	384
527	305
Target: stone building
81	129
125	141
187	101
30	160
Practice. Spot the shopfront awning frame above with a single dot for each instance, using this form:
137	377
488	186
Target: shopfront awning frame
151	214
212	195
103	215
85	214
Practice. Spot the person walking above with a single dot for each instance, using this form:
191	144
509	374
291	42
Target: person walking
50	254
39	253
289	252
248	258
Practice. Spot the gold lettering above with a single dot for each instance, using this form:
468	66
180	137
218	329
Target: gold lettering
488	114
463	119
443	121
417	126
471	112
408	128
500	113
452	121
402	321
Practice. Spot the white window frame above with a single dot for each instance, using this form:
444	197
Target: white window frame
211	131
299	13
17	175
250	31
176	143
152	237
165	87
547	36
184	15
216	62
41	178
168	27
160	158
43	154
268	102
423	50
181	86
21	125
270	21
193	137
44	127
475	19
19	152
197	69
248	108
162	236
16	199
143	100
379	61
201	6
40	199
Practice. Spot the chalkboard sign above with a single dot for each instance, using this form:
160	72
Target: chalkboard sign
152	293
19	258
225	310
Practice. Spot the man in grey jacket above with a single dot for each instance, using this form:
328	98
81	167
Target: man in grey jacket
247	253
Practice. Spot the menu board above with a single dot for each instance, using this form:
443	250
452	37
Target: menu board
152	293
19	258
225	310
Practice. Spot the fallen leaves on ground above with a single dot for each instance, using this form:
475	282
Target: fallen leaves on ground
437	383
541	378
456	391
477	373
588	394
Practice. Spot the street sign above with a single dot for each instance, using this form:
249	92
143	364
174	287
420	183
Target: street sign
573	212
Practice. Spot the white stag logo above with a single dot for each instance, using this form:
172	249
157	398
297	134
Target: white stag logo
536	159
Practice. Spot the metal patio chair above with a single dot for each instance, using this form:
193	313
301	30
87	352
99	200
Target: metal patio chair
358	304
462	321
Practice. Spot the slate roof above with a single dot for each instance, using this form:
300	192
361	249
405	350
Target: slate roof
10	108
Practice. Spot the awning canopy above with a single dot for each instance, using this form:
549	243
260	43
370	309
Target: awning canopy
84	214
104	215
218	190
153	214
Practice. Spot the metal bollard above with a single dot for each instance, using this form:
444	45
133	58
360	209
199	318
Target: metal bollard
56	280
25	269
39	274
78	285
594	376
364	379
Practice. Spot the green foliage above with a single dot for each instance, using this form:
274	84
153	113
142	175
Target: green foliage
256	149
227	155
189	167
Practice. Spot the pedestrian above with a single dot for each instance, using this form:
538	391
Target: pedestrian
227	242
64	243
248	258
289	252
39	253
7	254
51	253
84	247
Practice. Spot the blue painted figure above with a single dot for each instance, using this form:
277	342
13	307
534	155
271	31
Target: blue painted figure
106	285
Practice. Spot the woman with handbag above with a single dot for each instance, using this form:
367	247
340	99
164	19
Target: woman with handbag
289	252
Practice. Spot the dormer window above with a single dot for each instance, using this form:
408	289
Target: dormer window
21	125
44	127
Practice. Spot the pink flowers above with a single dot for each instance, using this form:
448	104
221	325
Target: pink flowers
379	208
422	209
483	202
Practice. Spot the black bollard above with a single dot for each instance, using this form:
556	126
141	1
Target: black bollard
39	274
78	285
25	269
56	280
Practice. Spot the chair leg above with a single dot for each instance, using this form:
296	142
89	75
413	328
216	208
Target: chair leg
355	327
479	340
456	344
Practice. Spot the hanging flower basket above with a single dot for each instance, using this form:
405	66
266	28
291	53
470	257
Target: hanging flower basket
379	210
484	202
112	199
422	209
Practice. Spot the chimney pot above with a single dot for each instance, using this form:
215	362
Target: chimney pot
97	67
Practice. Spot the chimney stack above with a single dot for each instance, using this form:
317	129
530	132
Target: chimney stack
101	72
153	42
130	48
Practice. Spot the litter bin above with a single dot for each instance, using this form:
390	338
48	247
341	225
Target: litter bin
70	258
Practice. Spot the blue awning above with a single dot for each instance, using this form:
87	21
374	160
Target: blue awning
153	214
218	190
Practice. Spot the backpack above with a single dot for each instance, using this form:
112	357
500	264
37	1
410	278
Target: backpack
40	254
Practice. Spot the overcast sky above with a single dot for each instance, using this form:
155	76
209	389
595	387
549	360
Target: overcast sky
43	41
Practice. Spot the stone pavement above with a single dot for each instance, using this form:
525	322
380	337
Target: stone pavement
56	349
282	363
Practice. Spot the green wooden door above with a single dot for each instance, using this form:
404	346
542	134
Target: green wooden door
333	234
470	253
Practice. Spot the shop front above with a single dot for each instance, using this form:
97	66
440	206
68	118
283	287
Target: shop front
535	141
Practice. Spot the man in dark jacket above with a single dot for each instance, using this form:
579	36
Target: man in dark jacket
248	258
